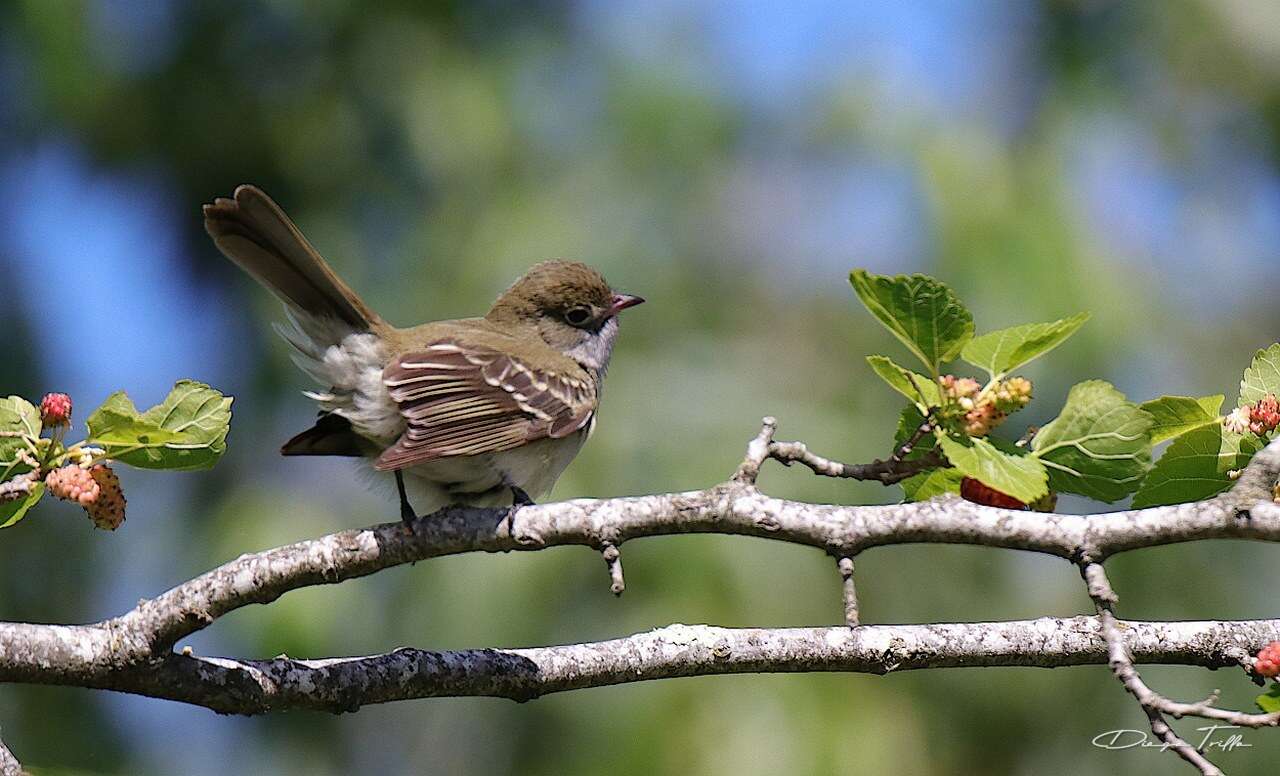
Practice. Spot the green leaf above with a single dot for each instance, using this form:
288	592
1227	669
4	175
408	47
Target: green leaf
1099	445
13	511
1022	477
926	485
187	431
1269	701
18	414
1195	466
19	427
1003	351
1262	377
922	312
1176	415
910	384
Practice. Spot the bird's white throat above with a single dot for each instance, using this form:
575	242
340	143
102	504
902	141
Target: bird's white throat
596	348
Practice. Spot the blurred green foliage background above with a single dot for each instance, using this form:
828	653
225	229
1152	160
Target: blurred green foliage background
730	162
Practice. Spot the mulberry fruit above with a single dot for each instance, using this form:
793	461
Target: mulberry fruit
975	491
55	409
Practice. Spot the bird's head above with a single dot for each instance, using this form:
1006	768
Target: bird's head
569	305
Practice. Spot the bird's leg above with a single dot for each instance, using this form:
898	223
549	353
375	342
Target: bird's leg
406	509
518	499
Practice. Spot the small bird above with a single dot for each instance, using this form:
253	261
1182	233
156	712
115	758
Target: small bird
476	411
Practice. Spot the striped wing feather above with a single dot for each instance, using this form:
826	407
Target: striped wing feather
466	400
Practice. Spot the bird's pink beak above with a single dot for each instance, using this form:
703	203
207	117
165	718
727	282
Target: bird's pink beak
623	301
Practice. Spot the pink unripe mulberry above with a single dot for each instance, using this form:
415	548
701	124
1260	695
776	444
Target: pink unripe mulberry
981	419
1264	416
1268	662
959	387
96	489
55	409
72	483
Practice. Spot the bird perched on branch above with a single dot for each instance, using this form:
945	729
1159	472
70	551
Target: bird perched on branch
476	411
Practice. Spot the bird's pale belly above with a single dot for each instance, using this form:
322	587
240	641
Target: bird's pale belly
486	480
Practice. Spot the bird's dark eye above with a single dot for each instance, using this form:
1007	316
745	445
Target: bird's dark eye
576	316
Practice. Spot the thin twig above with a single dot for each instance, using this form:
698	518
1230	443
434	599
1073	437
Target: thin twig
845	566
887	471
909	444
613	561
1154	705
759	450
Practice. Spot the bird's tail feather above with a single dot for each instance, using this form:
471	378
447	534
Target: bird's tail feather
252	230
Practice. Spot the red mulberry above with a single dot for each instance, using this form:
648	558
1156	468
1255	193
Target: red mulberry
975	491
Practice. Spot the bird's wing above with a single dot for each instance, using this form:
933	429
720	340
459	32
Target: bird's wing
467	399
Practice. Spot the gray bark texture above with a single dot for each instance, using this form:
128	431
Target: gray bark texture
9	765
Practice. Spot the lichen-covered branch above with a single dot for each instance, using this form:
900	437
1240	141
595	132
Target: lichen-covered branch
134	652
344	684
9	765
